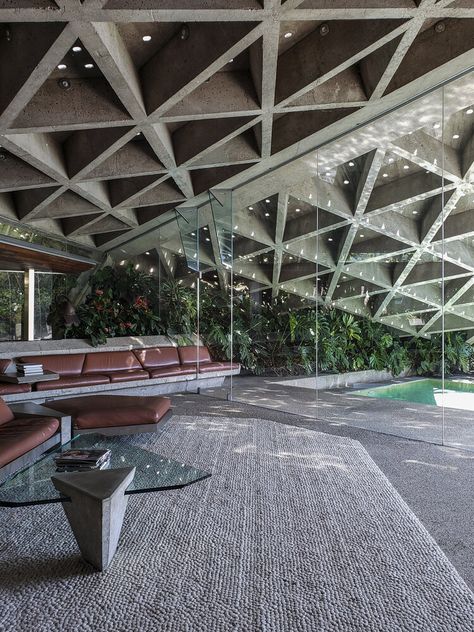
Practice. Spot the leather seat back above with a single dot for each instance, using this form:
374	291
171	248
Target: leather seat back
191	354
157	357
6	414
107	361
4	364
65	364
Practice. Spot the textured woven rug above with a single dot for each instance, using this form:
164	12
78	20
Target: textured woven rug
295	531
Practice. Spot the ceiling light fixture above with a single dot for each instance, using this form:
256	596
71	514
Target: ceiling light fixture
298	210
455	136
62	66
64	84
76	49
324	29
184	32
288	35
384	175
351	164
470	111
267	201
346	181
406	167
88	66
146	38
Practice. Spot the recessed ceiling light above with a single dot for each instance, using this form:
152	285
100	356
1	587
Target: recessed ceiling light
193	234
436	125
267	214
147	253
250	208
361	235
207	239
330	239
288	34
146	38
470	111
267	201
298	210
231	60
415	212
88	66
205	228
384	175
406	167
390	160
62	66
328	173
346	181
76	49
455	136
351	164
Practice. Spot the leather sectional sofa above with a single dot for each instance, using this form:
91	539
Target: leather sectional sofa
111	367
24	437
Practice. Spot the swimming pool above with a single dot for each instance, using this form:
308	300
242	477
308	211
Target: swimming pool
457	393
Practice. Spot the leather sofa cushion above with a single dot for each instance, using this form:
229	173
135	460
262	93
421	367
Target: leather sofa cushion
191	354
107	361
207	367
22	435
100	411
6	414
10	389
64	364
127	376
157	357
73	381
4	364
172	371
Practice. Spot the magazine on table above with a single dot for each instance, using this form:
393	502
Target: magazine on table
86	458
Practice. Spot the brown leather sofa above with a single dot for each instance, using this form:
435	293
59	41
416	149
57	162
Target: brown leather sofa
8	389
111	367
23	438
114	414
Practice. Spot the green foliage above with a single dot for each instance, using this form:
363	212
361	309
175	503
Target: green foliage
427	354
122	302
265	337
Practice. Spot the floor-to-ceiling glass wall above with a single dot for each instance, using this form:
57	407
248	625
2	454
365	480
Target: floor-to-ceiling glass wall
375	230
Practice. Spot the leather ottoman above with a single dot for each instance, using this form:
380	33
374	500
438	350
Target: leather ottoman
115	414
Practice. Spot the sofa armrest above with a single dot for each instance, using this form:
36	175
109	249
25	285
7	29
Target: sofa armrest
30	409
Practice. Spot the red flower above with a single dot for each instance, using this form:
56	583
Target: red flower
99	292
128	325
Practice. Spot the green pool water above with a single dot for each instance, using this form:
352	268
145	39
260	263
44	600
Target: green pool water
457	394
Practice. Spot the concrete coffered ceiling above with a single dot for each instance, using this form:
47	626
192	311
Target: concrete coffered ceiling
112	112
378	223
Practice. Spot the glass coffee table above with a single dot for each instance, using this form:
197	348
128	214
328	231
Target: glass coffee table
95	501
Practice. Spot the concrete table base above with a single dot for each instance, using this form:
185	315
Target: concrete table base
95	506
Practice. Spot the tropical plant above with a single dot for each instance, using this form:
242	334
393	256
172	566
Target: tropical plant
121	303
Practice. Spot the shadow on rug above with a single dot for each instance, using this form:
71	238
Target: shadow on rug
295	531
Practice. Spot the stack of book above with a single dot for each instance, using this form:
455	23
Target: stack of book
27	369
82	460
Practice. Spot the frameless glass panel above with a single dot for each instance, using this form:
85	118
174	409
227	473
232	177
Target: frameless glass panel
11	305
453	242
216	295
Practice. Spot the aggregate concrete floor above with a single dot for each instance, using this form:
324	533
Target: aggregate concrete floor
436	481
342	406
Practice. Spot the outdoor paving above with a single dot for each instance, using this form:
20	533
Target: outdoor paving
342	407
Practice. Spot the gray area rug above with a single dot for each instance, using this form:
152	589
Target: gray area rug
295	531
